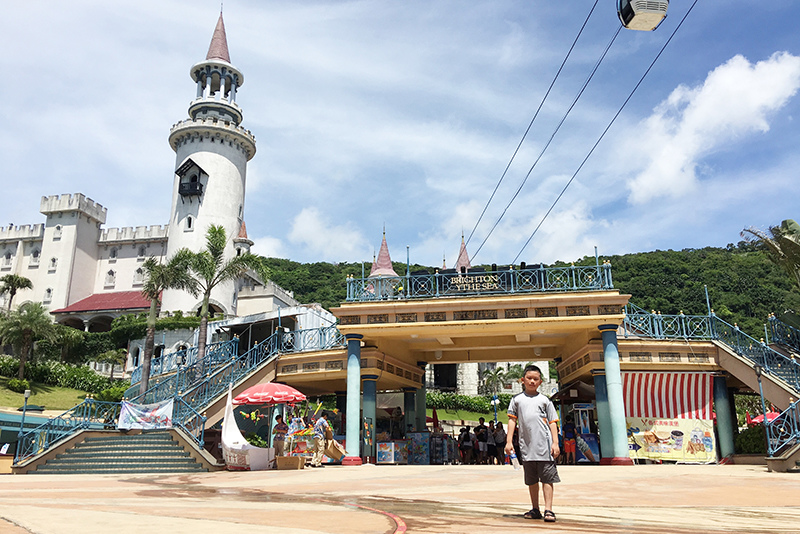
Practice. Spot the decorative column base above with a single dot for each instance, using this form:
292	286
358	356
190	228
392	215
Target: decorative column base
351	460
616	461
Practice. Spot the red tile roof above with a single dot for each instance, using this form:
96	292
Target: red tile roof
119	300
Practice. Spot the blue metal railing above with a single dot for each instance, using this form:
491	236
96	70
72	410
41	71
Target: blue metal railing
89	414
655	325
477	281
167	363
192	387
784	334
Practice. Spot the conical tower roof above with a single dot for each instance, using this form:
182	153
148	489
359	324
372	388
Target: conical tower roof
463	257
219	43
382	266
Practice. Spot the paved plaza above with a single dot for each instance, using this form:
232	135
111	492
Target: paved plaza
385	499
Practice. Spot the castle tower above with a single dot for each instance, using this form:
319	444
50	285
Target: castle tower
212	150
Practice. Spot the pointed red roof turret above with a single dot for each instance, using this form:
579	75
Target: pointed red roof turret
243	231
463	257
383	265
219	43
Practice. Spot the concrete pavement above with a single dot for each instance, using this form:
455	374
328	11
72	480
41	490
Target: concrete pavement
643	499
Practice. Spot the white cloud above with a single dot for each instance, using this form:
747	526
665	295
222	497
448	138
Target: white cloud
736	98
324	241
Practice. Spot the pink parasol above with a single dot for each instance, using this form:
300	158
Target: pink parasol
269	393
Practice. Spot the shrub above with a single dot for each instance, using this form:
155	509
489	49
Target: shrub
114	393
451	401
751	441
9	365
18	386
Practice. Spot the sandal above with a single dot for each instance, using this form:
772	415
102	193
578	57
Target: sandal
533	513
549	516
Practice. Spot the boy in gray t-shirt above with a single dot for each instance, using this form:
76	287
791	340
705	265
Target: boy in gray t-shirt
535	417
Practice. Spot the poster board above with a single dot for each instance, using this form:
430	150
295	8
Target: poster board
679	440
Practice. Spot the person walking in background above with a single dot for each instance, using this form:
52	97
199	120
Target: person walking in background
279	438
465	445
320	428
533	417
491	446
482	435
568	431
500	443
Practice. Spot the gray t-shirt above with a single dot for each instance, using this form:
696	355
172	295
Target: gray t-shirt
533	413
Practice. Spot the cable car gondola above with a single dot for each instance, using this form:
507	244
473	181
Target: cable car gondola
643	15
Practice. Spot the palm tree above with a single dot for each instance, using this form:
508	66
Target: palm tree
782	244
174	274
67	337
21	328
493	379
210	268
13	283
113	357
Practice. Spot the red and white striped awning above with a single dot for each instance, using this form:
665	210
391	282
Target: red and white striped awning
668	395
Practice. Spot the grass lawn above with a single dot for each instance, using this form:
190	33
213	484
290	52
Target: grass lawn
457	415
51	397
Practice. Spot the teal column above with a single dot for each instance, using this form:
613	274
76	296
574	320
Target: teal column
410	408
603	415
422	403
722	406
616	404
369	401
353	426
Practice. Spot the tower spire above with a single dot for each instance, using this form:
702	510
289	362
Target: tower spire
218	49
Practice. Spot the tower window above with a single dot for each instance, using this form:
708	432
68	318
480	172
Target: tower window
7	259
142	252
189	224
138	276
53	264
57	232
48	295
112	255
111	278
35	256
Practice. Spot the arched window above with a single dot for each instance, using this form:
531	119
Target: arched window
48	295
111	278
138	276
35	256
57	232
53	264
7	259
142	252
112	255
189	222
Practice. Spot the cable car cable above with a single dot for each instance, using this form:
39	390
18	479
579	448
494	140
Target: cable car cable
625	103
552	136
514	155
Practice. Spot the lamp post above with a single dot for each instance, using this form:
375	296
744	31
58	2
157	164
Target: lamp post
494	402
758	369
24	409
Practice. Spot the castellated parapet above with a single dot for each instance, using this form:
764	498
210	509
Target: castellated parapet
26	232
213	131
129	234
77	202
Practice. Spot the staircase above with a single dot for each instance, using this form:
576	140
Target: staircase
153	452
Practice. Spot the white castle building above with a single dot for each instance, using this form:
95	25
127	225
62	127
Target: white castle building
87	275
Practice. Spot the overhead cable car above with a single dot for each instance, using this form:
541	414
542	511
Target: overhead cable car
642	15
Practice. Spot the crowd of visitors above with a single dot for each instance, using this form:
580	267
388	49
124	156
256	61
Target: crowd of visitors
482	444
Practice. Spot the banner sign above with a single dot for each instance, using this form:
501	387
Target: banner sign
146	416
680	440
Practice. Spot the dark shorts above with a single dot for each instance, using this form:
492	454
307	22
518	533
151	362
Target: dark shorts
540	471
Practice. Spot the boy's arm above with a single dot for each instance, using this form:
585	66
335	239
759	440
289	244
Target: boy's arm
512	425
554	449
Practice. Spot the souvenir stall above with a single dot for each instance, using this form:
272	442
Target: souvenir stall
392	445
238	453
670	416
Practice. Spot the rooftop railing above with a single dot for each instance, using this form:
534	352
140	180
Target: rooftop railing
477	281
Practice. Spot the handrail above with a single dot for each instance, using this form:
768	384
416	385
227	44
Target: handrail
189	420
783	333
449	282
784	431
88	414
166	363
217	354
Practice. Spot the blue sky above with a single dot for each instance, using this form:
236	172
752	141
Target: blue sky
405	114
